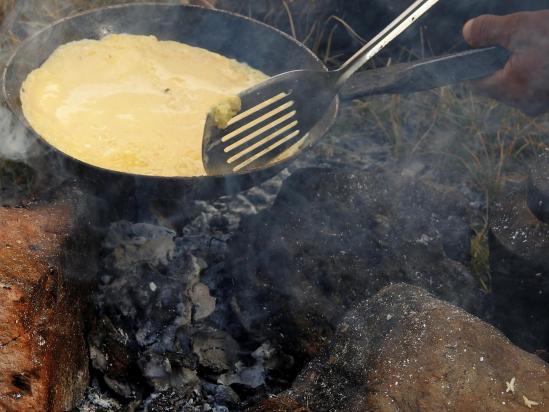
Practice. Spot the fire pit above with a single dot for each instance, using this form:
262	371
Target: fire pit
365	276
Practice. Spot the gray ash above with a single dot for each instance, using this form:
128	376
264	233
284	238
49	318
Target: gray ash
165	335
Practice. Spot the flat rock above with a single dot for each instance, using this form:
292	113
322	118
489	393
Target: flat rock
335	237
404	350
43	357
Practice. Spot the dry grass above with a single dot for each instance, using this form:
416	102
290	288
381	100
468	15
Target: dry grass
5	6
480	257
488	143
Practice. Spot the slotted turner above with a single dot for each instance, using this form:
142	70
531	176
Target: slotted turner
280	112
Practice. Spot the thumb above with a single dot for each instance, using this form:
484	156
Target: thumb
487	30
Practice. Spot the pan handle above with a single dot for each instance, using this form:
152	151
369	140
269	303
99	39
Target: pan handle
421	75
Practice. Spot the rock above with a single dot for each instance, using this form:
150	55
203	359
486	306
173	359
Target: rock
216	350
163	375
96	400
519	269
249	376
203	302
164	401
404	350
280	403
113	353
335	237
43	357
222	394
140	243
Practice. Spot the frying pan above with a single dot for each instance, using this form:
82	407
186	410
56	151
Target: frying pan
259	45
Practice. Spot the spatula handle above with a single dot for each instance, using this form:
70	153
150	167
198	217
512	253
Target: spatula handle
387	35
427	74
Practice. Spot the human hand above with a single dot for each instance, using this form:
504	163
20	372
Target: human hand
524	81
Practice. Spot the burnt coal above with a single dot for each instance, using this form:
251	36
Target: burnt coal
216	350
166	336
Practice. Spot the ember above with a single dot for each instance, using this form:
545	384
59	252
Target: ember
371	273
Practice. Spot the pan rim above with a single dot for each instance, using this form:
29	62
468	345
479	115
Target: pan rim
274	168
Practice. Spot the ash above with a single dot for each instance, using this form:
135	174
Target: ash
165	337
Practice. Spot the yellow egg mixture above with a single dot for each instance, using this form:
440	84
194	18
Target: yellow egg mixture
132	103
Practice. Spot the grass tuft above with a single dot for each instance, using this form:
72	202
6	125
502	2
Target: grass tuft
480	258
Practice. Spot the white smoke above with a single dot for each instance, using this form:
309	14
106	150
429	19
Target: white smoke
15	143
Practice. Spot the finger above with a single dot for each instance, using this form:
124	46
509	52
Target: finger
498	88
493	86
507	82
487	30
507	85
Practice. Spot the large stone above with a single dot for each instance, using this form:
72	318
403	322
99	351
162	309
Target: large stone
334	238
43	357
404	350
519	243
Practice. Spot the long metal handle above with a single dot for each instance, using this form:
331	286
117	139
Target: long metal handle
421	75
393	30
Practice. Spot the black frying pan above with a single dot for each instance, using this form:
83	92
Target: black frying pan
241	38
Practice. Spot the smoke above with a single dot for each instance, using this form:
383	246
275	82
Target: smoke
16	145
21	19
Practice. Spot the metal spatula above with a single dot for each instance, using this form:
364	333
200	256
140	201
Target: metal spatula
280	112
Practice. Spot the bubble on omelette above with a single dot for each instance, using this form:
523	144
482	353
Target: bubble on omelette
133	103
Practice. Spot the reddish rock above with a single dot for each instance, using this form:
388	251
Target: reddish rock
43	357
404	350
